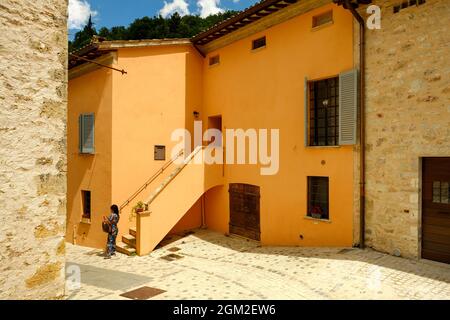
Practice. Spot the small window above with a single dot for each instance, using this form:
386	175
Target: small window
160	153
322	19
441	192
324	112
318	197
86	202
214	60
86	133
259	43
407	3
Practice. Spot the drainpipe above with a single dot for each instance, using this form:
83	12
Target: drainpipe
362	117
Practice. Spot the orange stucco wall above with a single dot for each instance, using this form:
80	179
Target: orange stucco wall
89	93
265	89
261	89
158	95
133	113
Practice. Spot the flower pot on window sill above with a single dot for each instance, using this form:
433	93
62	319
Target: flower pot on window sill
316	215
139	210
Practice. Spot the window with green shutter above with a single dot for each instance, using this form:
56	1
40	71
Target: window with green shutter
86	133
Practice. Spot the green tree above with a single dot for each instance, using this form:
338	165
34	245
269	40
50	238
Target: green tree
84	36
156	27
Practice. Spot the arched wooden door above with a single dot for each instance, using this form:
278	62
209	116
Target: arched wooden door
244	210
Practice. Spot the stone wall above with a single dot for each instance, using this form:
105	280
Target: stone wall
408	117
33	85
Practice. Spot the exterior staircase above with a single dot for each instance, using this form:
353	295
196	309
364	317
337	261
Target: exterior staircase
128	244
173	198
169	201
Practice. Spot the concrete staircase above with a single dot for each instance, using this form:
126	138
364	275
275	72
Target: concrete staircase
128	244
170	201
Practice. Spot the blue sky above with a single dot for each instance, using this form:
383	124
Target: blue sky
108	13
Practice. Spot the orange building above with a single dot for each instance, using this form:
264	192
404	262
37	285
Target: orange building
283	66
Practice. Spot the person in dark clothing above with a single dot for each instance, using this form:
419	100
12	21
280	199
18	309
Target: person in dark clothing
112	220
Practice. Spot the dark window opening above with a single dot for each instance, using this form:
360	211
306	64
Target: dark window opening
214	60
160	152
318	189
86	199
406	4
259	43
324	112
322	19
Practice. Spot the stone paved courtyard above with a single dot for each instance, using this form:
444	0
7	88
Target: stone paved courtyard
213	266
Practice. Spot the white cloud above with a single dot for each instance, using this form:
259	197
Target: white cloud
79	12
209	7
180	6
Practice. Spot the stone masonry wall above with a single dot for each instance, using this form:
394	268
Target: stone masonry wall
408	117
33	58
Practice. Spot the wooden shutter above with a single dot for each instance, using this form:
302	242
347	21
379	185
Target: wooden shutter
348	107
87	133
306	112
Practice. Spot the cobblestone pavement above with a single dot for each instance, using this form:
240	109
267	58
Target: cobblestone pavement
213	266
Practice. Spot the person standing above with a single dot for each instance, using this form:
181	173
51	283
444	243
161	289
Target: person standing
112	221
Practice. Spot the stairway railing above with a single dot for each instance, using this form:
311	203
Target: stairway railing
151	179
188	159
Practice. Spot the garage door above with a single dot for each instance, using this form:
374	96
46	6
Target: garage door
436	209
244	210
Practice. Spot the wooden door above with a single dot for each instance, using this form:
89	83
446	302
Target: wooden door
436	209
244	210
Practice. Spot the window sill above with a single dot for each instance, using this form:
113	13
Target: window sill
317	220
258	49
85	220
321	147
322	26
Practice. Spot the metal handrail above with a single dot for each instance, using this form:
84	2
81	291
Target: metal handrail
185	162
151	179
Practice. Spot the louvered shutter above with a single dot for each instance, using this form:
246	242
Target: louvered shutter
306	121
348	107
80	133
87	133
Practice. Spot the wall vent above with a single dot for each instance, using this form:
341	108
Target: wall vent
322	19
406	4
214	60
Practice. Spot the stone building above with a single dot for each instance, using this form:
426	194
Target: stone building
407	121
33	60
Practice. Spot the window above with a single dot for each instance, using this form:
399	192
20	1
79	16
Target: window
324	112
259	43
441	192
407	3
160	152
86	202
214	60
86	133
322	19
318	197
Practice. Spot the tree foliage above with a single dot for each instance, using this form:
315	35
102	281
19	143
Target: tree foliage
156	27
